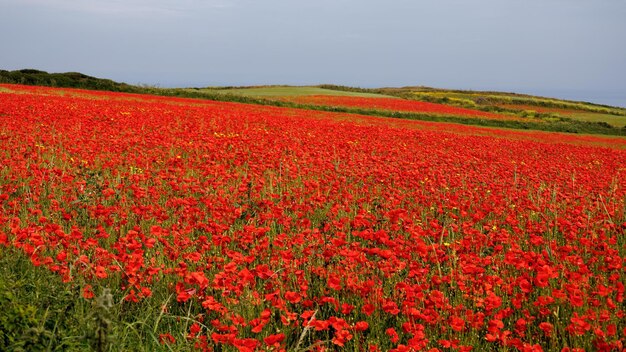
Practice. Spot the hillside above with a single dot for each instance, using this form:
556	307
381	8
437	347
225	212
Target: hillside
493	109
63	80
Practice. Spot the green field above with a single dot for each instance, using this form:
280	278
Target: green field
287	91
614	120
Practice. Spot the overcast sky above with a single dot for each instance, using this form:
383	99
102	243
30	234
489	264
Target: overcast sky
566	48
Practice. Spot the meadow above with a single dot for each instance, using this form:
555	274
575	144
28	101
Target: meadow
287	91
137	222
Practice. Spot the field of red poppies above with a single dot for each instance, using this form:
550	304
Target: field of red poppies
230	226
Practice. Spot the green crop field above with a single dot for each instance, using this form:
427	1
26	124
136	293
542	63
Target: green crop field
617	121
278	91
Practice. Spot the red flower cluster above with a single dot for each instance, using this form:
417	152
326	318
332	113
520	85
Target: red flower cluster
288	227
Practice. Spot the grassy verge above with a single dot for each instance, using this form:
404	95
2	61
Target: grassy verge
42	313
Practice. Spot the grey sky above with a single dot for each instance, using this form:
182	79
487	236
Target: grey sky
566	48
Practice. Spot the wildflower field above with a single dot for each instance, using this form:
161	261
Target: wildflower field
178	225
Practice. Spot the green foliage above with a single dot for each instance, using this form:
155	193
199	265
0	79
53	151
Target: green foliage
15	320
101	335
64	80
355	89
39	312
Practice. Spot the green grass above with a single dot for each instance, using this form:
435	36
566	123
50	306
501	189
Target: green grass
277	91
42	313
617	121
